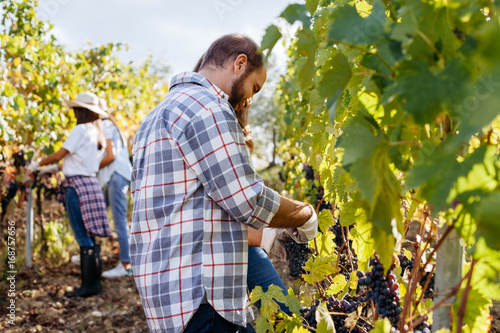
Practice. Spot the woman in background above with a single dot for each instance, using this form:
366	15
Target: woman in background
83	198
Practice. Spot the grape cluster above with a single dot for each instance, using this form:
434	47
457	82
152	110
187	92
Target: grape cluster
384	291
345	264
309	171
298	254
341	308
406	264
423	327
429	292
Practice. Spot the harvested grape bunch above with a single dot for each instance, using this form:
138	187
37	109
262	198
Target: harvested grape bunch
298	254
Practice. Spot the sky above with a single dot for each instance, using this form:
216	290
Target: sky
176	33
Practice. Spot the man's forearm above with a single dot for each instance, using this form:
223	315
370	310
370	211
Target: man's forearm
291	214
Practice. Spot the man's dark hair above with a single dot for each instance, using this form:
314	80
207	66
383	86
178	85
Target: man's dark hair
230	46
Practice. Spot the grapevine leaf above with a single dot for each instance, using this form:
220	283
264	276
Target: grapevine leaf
487	218
263	325
425	100
291	324
270	38
325	219
384	245
338	284
292	303
477	307
325	322
267	299
362	242
486	278
366	159
318	268
336	74
296	12
404	30
481	108
382	326
326	246
348	26
438	171
312	5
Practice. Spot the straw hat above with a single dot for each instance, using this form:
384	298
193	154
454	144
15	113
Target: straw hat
89	101
103	104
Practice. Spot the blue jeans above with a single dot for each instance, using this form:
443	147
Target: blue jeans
206	320
261	272
75	218
115	193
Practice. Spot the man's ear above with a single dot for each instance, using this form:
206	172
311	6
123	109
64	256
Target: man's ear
240	64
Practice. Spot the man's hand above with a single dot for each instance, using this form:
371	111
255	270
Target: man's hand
308	230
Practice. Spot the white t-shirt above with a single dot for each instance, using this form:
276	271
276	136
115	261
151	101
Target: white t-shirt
121	163
83	158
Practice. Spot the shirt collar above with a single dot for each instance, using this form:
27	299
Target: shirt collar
196	78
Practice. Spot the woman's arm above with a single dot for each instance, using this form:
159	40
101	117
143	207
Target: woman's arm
54	157
110	154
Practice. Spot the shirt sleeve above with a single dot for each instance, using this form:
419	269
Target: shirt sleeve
211	145
74	139
108	129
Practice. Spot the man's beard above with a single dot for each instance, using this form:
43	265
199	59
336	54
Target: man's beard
236	95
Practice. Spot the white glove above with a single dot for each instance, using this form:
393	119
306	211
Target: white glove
310	228
49	169
268	236
33	167
273	242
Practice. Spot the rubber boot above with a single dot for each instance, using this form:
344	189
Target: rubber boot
90	264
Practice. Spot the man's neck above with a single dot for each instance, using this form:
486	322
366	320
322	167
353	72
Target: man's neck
221	77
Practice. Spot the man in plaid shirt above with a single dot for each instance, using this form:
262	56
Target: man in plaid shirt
195	195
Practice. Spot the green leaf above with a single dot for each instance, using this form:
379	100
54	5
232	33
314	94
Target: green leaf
325	219
267	299
362	242
486	277
479	109
366	159
404	30
438	171
324	320
263	325
348	26
477	307
425	100
296	12
488	219
293	303
382	326
318	268
312	5
271	37
336	74
338	284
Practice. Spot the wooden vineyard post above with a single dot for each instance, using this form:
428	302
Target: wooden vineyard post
449	267
29	228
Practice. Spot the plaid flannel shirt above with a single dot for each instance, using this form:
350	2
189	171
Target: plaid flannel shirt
195	194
